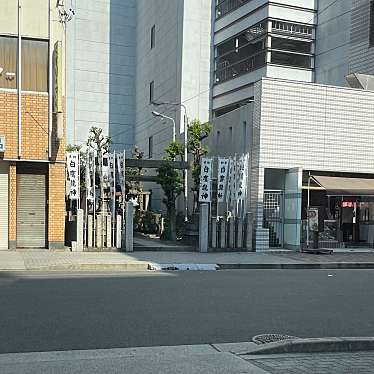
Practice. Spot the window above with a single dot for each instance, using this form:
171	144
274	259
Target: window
151	92
34	64
226	6
291	59
371	32
153	36
150	147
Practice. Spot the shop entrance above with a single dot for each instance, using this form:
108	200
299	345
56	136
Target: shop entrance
345	211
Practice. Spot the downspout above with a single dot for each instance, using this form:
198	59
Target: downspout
19	82
50	87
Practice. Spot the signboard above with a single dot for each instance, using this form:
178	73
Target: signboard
313	219
223	169
205	180
2	144
72	163
242	177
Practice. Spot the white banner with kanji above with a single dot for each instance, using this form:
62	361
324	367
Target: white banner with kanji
223	170
205	191
73	178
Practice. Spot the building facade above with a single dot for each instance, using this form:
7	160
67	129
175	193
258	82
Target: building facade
32	157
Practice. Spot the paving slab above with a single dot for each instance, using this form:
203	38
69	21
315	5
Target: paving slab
158	360
11	260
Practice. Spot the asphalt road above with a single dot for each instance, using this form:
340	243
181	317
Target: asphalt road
89	311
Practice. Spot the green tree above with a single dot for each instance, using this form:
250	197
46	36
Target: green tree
171	181
197	132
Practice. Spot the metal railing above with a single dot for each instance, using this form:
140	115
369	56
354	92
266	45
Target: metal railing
239	68
227	6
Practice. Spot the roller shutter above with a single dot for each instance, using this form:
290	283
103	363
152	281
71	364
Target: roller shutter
31	211
4	203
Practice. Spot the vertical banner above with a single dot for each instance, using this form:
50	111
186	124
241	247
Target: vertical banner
89	176
241	178
121	171
205	180
223	169
72	163
111	171
234	180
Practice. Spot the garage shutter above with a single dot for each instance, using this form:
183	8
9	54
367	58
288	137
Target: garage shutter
31	211
3	206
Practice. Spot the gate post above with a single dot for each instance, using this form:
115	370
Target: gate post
119	232
80	230
231	232
204	228
239	233
214	232
129	231
109	231
249	232
89	231
222	233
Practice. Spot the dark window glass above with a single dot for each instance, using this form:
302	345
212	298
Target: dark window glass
371	36
291	45
290	59
153	36
151	92
150	147
34	64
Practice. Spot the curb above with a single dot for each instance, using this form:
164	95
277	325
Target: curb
123	267
326	266
314	345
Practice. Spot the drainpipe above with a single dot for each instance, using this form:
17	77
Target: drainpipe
19	82
50	87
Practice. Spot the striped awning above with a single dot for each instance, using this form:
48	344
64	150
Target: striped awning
339	186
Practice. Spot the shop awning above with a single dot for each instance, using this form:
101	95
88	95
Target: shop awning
339	186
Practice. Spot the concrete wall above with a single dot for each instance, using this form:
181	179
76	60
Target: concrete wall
179	65
34	17
361	54
317	127
101	63
332	42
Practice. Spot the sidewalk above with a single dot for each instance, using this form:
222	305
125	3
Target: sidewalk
207	358
141	261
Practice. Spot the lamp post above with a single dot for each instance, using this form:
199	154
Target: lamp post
160	115
185	118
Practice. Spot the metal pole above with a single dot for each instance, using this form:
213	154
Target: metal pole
114	199
174	131
124	197
185	170
50	87
86	202
19	82
94	201
307	213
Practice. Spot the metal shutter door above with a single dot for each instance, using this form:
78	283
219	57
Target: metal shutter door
4	202
31	211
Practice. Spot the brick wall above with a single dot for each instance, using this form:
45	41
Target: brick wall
34	126
56	207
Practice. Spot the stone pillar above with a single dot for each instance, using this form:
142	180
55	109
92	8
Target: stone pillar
204	228
89	231
231	232
249	232
80	230
129	231
222	233
99	231
239	233
109	231
119	232
214	232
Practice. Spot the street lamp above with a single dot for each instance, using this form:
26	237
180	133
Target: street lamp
185	152
160	115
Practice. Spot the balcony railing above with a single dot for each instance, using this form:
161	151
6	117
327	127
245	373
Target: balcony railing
239	68
227	6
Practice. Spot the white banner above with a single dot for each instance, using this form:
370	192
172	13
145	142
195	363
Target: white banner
242	177
121	160
90	164
73	179
105	171
111	171
223	169
205	180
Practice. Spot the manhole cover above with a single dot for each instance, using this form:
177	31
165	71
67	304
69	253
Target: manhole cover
270	338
